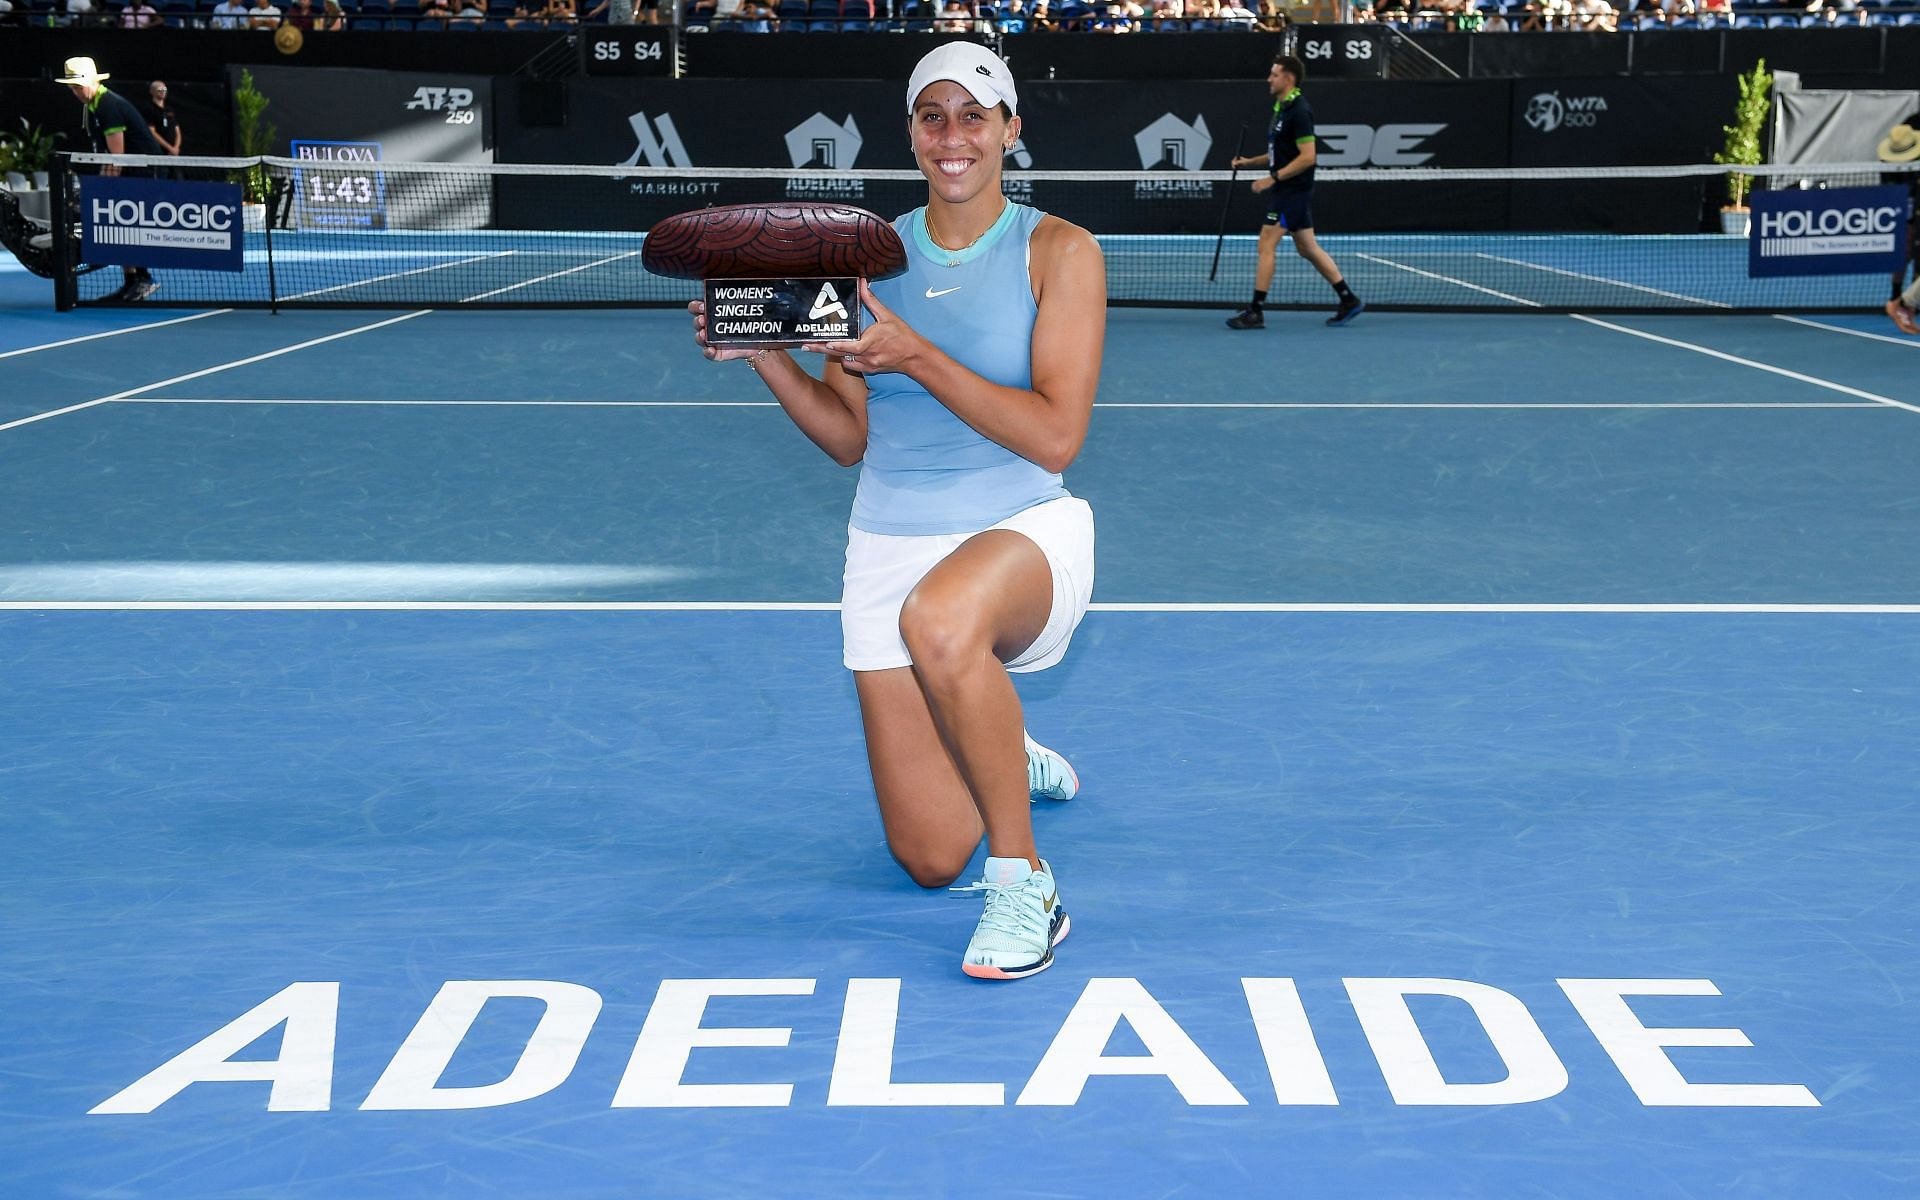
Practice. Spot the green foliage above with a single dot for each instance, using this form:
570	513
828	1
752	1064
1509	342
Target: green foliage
1743	136
248	107
28	151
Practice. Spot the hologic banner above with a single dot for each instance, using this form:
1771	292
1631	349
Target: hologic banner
159	223
1840	231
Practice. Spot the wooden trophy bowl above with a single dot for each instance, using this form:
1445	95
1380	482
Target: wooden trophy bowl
792	239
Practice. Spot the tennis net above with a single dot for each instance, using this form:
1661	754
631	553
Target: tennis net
387	234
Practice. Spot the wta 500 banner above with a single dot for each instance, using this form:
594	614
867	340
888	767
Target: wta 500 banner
159	223
1841	231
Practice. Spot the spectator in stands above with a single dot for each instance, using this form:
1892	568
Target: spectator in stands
1038	18
1496	22
1392	11
1167	14
1596	16
527	12
300	16
230	14
1715	12
263	15
1013	16
435	10
78	11
561	12
1546	15
955	17
1236	15
138	14
1273	16
472	13
332	18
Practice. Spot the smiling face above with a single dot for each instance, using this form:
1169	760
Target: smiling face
958	143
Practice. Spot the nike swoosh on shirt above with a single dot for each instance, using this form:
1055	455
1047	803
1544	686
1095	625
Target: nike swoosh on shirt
933	295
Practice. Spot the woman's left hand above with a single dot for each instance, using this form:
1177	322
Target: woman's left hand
887	344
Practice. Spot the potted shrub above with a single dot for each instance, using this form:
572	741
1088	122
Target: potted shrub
255	186
27	155
1743	145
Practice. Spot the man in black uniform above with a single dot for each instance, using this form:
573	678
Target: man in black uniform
1289	160
113	126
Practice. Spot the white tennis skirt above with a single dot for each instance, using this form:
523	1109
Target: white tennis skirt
882	568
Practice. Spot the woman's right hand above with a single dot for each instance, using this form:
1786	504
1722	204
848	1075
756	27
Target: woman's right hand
714	353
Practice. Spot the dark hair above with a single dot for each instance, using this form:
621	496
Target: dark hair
1292	66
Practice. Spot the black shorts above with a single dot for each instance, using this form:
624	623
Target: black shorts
1289	210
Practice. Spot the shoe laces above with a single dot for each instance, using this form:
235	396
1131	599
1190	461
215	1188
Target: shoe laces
1043	775
1012	908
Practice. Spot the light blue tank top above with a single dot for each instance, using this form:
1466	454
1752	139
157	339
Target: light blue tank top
926	470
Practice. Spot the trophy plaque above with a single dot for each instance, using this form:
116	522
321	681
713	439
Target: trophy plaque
777	275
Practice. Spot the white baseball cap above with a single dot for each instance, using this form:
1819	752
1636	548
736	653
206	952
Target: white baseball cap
973	67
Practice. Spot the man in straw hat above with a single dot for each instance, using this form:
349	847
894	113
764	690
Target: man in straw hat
1902	145
113	126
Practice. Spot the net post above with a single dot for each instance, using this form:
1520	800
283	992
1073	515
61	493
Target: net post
66	285
273	204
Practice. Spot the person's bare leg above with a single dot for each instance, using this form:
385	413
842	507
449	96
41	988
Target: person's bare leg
931	822
982	604
1269	251
1308	247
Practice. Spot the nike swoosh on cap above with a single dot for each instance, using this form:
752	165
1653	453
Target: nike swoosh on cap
933	295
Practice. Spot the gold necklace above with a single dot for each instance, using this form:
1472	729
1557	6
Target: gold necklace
954	257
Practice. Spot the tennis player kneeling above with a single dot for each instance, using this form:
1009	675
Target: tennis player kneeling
963	400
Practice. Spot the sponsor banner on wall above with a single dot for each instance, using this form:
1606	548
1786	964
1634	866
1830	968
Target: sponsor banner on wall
139	222
1172	129
342	120
1614	121
1839	231
413	117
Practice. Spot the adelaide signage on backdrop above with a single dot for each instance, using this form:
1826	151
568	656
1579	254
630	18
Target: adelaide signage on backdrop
160	223
1840	231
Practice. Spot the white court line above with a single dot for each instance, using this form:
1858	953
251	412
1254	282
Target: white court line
551	275
241	362
1908	341
1748	362
823	606
113	333
1448	279
338	287
1620	283
1281	404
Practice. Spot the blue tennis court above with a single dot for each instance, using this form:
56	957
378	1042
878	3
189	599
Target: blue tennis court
430	771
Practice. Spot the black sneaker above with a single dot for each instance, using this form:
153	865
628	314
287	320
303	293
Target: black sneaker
139	289
1348	310
1252	318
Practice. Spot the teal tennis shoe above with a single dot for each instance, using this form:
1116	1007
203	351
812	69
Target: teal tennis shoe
1049	776
1023	921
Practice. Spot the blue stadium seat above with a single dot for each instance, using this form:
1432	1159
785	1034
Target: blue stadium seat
1783	23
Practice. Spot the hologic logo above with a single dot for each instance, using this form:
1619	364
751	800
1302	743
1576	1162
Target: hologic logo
1801	223
177	225
1860	230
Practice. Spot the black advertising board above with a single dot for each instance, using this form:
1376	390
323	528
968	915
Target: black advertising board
1614	121
1342	51
635	50
1170	128
1066	125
